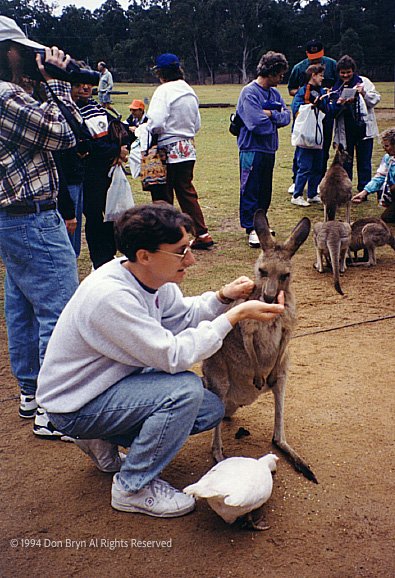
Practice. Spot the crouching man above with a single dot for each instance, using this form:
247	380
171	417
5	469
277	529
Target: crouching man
115	371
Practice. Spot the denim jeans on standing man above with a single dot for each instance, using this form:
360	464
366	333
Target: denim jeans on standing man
76	195
153	412
41	276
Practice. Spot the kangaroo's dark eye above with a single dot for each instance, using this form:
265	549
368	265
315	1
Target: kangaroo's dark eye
284	276
263	273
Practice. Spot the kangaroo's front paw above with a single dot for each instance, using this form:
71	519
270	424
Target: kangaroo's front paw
258	382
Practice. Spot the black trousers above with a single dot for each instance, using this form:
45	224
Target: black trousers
99	235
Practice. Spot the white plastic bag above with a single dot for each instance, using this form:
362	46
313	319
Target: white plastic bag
135	159
307	131
119	194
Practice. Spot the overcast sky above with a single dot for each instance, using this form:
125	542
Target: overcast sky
88	4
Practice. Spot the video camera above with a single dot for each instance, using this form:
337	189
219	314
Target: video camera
73	73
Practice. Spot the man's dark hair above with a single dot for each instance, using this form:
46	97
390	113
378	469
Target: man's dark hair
170	73
345	63
5	70
314	69
271	64
148	226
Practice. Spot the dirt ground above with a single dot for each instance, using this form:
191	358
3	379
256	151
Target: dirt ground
56	518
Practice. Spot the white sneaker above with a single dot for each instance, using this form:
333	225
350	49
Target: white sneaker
158	498
27	406
103	453
315	199
299	201
45	429
253	240
291	189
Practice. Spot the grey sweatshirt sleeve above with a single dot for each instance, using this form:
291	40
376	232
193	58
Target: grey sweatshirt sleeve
135	336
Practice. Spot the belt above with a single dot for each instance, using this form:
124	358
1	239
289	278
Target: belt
33	207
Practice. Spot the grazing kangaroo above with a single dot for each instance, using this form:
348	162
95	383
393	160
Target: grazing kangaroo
336	187
331	240
367	234
254	355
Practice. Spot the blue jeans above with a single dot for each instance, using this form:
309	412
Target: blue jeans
76	194
309	163
153	412
41	276
256	176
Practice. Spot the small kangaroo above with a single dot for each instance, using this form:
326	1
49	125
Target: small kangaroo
254	356
331	240
367	234
336	187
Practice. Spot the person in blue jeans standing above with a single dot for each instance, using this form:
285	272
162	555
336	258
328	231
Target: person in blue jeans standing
309	160
116	370
263	111
41	270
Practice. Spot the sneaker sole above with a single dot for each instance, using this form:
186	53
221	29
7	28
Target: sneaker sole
45	434
254	245
27	414
136	510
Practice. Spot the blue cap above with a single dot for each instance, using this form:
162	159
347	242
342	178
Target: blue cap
166	60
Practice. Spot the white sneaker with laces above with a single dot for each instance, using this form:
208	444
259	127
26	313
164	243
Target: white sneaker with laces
291	189
158	498
315	199
253	240
104	454
299	201
27	406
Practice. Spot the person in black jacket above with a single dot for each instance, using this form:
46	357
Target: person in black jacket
102	155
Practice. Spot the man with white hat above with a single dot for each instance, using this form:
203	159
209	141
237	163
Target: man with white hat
41	271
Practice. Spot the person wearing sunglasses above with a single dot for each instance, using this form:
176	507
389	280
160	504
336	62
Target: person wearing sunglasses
116	372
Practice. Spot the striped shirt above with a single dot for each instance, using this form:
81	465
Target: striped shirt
29	132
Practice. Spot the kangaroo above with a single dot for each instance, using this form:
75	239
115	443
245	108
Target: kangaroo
254	356
367	234
336	187
331	240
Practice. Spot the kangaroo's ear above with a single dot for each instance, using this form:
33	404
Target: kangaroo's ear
298	236
261	227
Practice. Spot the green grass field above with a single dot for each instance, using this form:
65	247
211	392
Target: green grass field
217	182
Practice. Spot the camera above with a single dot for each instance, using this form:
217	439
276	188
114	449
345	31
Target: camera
73	73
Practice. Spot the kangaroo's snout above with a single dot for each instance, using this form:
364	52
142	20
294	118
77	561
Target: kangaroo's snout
269	298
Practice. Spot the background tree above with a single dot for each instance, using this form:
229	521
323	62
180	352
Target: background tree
215	39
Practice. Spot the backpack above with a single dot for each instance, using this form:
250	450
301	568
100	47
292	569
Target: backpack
236	123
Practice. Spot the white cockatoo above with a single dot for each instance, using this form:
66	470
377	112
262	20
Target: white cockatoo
236	487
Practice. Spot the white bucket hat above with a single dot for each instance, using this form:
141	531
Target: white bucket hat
9	30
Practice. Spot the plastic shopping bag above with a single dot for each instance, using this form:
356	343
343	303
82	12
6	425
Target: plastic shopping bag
119	194
307	131
135	159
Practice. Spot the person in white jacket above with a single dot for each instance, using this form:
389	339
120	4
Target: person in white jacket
356	115
116	367
173	116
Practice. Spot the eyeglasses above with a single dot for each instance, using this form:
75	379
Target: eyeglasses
181	256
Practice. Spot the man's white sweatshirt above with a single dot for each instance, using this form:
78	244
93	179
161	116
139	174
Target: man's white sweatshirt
113	327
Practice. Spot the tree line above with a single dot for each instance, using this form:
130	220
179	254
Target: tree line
217	40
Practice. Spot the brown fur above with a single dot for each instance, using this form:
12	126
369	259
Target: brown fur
336	187
254	355
331	240
367	234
